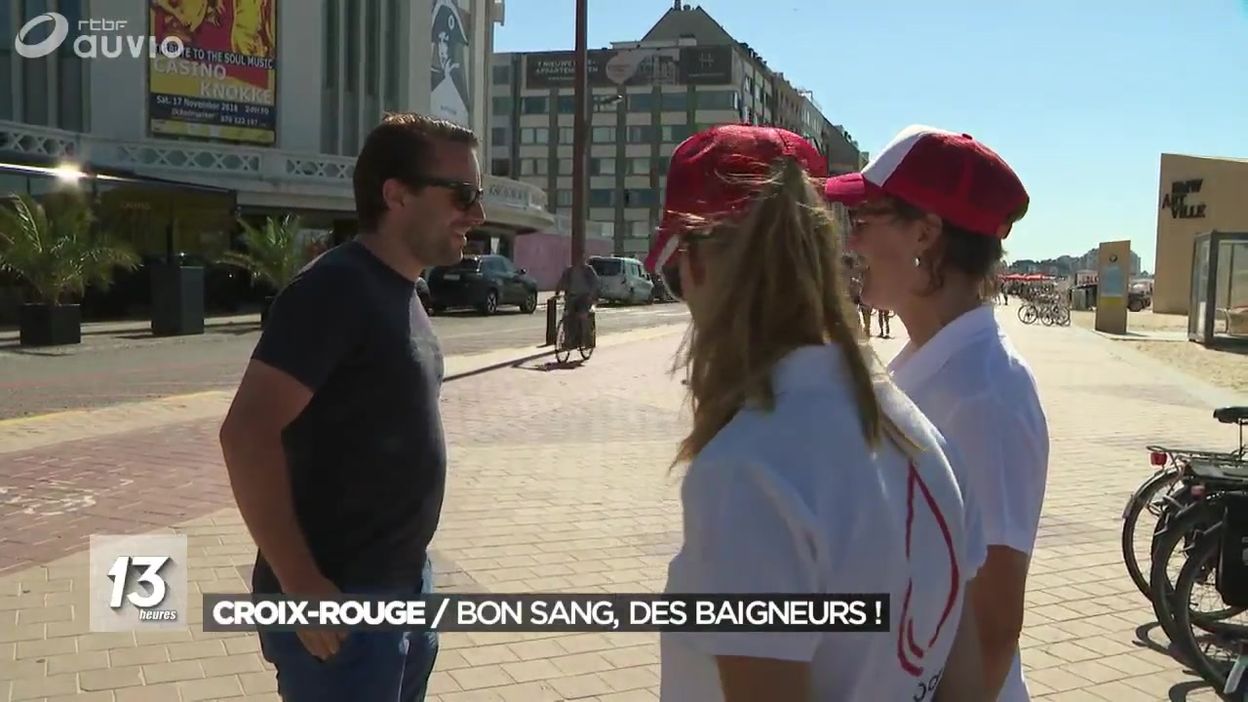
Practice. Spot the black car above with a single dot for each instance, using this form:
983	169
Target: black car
483	282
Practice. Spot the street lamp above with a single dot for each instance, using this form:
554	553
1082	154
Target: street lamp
579	135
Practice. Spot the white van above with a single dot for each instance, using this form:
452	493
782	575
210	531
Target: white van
622	279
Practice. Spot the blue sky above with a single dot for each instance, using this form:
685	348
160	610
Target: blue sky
1081	98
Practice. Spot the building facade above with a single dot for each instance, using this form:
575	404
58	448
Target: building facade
1196	194
269	100
647	96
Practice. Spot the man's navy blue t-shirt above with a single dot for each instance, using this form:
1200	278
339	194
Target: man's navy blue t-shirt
367	457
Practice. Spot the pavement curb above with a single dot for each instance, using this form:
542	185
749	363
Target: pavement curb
26	433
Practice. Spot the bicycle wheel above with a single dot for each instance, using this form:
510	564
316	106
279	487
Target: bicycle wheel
562	351
1049	317
1139	560
1177	538
1027	314
1063	316
1211	653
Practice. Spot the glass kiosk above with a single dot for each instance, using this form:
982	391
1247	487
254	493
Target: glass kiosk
1218	314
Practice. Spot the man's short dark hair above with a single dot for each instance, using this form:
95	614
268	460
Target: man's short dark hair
401	147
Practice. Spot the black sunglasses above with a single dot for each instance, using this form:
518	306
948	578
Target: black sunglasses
466	194
670	271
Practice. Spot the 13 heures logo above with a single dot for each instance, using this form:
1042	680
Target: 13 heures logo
138	581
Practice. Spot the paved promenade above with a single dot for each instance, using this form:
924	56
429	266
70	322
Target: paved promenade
558	483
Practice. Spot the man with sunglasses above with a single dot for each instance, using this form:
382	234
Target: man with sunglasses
334	443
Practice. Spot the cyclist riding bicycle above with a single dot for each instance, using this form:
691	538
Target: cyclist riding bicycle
580	283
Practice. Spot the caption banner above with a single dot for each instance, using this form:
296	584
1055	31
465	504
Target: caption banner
552	612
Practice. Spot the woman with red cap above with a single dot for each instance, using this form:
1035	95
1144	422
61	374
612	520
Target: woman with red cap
808	472
930	213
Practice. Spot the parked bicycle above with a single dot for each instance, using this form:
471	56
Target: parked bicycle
1199	499
1049	313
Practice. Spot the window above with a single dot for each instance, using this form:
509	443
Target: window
393	15
565	166
372	29
69	112
534	106
563	198
501	106
603	135
640	102
501	167
639	166
567	135
640	134
717	100
676	133
639	229
601	198
639	197
602	166
606	266
502	74
533	166
535	135
353	46
6	61
675	102
498	136
567	104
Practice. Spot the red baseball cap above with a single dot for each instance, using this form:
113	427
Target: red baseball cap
702	176
950	175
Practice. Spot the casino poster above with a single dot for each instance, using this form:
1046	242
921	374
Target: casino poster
224	85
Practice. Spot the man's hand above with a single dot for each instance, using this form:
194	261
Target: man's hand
321	643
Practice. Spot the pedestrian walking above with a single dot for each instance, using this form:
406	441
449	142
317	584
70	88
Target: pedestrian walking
334	441
930	213
807	471
883	317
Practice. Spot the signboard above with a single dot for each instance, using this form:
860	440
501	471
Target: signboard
690	65
1113	270
1176	200
451	54
224	85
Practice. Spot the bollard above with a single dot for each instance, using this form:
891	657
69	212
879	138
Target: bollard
552	321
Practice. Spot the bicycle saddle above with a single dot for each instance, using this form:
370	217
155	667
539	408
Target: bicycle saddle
1231	415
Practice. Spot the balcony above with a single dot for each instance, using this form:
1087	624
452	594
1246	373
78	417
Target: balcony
261	177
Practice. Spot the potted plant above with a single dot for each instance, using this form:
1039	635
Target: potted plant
273	255
57	252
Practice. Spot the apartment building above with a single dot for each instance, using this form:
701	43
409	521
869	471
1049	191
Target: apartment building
647	96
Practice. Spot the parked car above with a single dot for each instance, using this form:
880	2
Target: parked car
484	282
622	279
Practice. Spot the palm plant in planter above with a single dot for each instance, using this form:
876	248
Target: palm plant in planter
57	252
273	255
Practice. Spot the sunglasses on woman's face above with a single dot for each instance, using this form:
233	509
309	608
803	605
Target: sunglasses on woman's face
466	194
671	269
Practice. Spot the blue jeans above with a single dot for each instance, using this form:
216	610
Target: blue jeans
370	666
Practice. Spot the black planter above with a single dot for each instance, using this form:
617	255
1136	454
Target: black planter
50	325
177	299
264	308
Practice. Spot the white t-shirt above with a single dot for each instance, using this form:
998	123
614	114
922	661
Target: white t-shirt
971	382
793	501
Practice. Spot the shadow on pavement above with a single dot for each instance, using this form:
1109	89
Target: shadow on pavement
515	363
1144	639
1179	692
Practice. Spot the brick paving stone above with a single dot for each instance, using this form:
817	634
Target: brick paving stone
577	497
